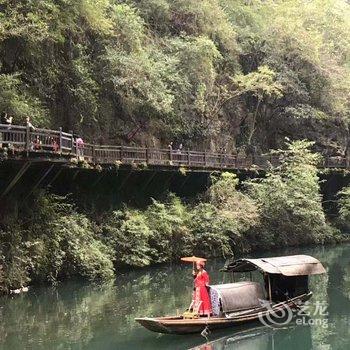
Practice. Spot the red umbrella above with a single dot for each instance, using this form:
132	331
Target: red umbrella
193	259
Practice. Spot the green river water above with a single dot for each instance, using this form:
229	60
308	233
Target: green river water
85	316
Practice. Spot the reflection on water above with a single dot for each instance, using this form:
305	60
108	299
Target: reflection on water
85	316
262	338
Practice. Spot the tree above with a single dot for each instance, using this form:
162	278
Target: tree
223	218
289	200
261	85
344	206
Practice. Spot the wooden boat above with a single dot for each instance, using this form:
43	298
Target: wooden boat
285	288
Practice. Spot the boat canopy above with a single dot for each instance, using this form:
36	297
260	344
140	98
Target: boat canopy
231	297
293	265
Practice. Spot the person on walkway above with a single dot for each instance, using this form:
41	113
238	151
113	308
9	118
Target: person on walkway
80	146
201	283
29	124
36	144
8	120
7	135
170	146
54	144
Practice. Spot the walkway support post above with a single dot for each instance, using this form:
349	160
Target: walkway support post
41	179
28	138
72	141
14	181
55	177
186	178
60	142
124	181
76	149
148	181
93	154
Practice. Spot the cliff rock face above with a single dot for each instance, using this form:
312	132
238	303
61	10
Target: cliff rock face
214	74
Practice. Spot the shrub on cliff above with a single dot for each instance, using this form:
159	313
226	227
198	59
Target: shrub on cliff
170	236
214	226
15	261
49	241
158	234
219	224
344	208
289	200
127	233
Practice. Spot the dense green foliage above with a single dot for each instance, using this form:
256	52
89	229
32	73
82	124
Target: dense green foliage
166	231
209	73
290	201
239	75
49	242
52	240
344	207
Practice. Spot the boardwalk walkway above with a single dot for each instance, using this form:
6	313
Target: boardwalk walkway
22	142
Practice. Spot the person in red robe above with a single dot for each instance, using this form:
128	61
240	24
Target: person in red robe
201	282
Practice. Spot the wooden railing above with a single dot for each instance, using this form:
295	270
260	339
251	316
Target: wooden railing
19	139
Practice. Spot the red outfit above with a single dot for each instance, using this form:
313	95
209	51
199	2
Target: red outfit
201	293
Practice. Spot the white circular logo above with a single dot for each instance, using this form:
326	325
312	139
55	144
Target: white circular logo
275	318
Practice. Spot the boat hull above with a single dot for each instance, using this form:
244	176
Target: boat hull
178	325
